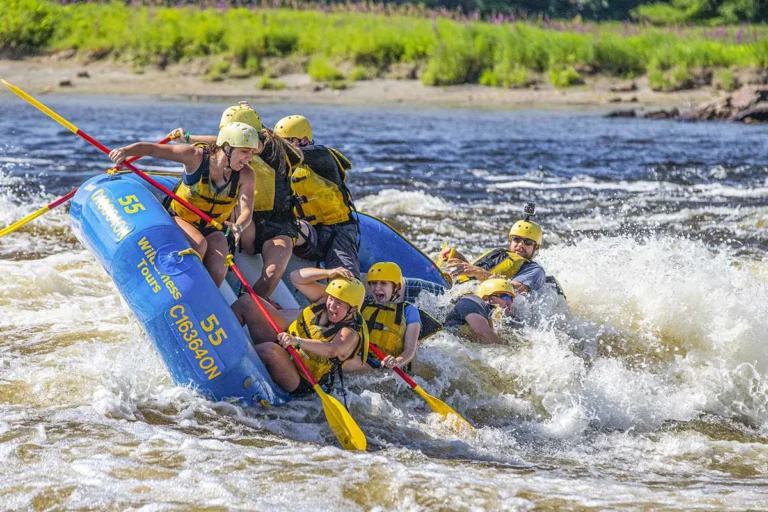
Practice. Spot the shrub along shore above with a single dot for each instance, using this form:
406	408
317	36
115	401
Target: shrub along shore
337	47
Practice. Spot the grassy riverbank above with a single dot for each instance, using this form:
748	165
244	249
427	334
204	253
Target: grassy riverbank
338	47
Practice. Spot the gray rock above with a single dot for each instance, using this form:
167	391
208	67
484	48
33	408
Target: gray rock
627	86
622	113
755	114
663	114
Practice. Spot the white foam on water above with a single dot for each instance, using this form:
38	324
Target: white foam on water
390	202
682	321
96	418
582	182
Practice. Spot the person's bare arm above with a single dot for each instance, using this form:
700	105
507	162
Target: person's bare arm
247	187
189	156
479	324
342	345
306	280
520	287
179	135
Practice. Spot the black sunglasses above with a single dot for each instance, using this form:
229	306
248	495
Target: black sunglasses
520	240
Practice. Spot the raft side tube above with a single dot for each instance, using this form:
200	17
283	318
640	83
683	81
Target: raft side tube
139	245
381	242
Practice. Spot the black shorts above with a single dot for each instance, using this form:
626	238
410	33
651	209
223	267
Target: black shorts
303	389
269	229
335	246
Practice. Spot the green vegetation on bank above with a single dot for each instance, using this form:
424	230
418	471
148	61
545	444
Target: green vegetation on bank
339	46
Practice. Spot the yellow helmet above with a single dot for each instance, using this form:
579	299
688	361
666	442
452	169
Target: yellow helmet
226	116
238	135
294	126
527	229
385	271
248	116
350	291
493	286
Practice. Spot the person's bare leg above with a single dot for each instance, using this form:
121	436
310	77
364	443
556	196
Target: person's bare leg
249	314
214	259
279	365
193	236
276	252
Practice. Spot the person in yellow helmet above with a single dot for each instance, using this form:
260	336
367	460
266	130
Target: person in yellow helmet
274	228
329	230
216	179
514	262
327	334
394	326
471	315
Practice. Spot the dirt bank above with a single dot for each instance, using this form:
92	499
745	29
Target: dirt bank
41	75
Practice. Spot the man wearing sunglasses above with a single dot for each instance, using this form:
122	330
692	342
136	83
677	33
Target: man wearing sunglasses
471	316
514	262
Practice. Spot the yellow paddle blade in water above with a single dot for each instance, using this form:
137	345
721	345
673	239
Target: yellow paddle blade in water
444	410
16	225
341	422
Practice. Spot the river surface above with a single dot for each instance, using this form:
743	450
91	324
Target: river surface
647	391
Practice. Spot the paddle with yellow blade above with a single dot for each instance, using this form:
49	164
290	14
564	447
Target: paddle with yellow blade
437	405
77	131
341	422
63	199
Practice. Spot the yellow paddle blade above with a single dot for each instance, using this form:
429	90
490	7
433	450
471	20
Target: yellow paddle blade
16	225
443	409
56	117
341	422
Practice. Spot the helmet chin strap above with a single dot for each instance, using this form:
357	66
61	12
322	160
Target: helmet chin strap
349	314
229	157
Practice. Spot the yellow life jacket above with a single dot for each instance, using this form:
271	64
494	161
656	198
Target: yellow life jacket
264	193
319	200
204	195
386	326
498	261
307	326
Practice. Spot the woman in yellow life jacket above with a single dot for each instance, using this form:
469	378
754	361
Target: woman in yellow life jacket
471	316
274	228
327	334
216	179
393	325
329	231
514	262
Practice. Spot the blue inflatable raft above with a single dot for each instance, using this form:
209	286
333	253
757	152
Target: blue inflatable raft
122	222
